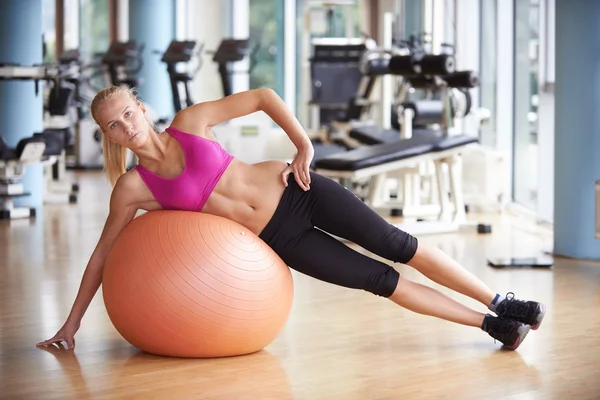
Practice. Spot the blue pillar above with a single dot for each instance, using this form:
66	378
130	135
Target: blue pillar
577	127
21	110
152	23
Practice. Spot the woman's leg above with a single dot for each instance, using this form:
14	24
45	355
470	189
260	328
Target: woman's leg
339	212
317	254
441	268
425	300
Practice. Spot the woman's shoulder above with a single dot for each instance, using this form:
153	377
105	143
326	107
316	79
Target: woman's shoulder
189	121
130	188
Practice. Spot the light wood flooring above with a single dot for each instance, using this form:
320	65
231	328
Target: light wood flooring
337	344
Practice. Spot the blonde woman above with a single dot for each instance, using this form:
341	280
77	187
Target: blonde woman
287	206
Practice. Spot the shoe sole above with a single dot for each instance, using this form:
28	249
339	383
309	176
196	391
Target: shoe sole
523	331
540	317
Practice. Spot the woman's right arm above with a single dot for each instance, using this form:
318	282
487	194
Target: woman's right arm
122	211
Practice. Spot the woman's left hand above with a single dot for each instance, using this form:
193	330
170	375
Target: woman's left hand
300	167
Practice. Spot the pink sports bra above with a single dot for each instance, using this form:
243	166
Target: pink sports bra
205	163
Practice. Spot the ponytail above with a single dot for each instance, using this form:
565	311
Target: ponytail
115	160
115	156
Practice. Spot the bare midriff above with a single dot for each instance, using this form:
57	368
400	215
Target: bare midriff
246	193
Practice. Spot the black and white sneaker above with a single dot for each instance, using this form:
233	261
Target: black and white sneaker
529	312
509	332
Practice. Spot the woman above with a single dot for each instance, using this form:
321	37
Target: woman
288	206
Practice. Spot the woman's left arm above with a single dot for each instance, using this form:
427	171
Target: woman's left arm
197	118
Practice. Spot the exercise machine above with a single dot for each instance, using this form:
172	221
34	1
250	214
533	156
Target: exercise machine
413	158
339	92
376	162
322	28
38	148
432	74
373	65
56	187
13	162
335	79
412	116
229	52
66	108
428	91
178	53
123	61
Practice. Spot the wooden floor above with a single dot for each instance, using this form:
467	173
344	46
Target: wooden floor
337	344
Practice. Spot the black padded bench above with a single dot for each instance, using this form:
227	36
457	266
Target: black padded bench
372	134
435	212
369	156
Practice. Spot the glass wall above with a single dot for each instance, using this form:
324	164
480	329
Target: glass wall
71	23
266	37
94	36
526	151
48	30
488	73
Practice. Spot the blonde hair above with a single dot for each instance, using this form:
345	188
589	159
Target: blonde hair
115	156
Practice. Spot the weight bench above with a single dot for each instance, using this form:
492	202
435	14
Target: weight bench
370	135
400	159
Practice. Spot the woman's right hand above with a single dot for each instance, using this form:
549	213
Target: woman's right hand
65	334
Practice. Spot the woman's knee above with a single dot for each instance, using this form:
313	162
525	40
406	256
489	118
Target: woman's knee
383	283
399	246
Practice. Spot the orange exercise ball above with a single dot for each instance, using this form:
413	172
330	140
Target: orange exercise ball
187	284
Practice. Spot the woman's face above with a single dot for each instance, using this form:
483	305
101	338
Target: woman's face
123	120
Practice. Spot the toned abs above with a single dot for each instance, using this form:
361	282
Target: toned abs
246	193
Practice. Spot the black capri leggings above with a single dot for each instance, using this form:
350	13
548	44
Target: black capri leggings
295	233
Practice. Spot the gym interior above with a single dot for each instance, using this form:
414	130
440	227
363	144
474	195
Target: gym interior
471	124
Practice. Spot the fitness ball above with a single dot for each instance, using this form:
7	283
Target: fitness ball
186	284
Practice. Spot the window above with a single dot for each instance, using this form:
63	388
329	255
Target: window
94	36
266	38
71	22
526	56
414	17
488	75
48	31
93	28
